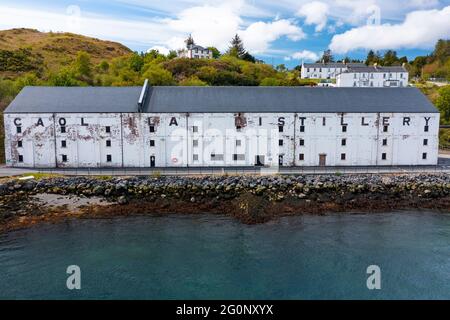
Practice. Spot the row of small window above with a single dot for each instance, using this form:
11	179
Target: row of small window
195	128
63	129
64	143
220	157
65	159
343	156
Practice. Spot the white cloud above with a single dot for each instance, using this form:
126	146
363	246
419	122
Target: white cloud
210	25
128	31
258	36
304	55
216	25
316	13
160	49
420	29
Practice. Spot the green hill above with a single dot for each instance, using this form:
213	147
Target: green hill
27	50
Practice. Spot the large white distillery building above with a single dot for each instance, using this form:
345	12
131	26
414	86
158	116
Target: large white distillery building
220	126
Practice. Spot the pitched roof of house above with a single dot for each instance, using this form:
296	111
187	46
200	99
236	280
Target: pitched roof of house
333	65
220	100
381	69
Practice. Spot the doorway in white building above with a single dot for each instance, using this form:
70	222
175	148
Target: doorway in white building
259	161
322	160
152	161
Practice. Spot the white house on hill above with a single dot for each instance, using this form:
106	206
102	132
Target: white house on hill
373	76
196	52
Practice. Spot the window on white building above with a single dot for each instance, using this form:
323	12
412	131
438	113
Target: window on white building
20	158
425	142
216	157
424	156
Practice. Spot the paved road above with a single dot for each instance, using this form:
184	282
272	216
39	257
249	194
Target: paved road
444	166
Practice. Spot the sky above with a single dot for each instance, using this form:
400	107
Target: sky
281	31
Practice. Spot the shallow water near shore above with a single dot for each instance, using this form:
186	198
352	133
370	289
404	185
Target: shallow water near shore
215	257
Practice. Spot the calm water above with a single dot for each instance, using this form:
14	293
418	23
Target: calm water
210	257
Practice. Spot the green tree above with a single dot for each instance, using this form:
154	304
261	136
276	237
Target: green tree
82	65
172	54
442	50
270	82
193	82
236	48
189	41
372	58
63	78
248	57
104	66
390	58
443	102
136	62
327	57
157	76
215	52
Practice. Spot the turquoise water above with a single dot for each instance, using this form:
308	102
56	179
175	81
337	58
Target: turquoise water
211	257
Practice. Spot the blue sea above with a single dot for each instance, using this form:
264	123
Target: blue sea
215	257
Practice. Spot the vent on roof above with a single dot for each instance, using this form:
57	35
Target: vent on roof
143	96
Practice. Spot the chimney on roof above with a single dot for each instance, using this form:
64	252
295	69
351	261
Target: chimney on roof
403	64
375	65
143	96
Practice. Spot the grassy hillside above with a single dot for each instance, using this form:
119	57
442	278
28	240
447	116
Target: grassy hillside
27	50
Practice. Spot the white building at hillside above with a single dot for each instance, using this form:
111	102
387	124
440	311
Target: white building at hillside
195	52
373	76
325	70
91	127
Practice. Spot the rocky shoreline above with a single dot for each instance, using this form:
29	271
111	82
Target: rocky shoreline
250	199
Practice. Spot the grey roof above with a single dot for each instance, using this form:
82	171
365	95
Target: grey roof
195	46
75	99
333	65
381	69
219	100
286	99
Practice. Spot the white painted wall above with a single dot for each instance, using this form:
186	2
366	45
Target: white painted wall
372	79
181	139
